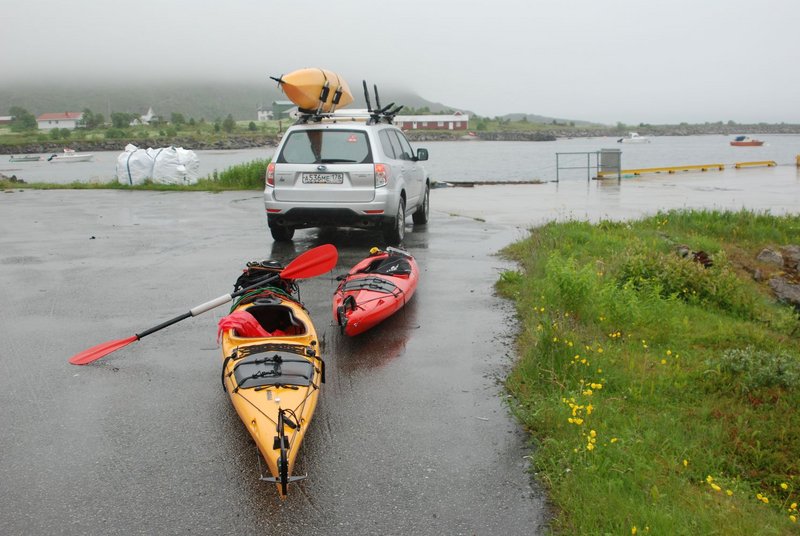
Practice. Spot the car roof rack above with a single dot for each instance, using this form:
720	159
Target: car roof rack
380	114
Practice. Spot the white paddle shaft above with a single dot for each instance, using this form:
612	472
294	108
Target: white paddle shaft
216	302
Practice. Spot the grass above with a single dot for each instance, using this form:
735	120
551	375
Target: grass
248	176
661	395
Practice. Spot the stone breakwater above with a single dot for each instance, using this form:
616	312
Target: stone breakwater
119	145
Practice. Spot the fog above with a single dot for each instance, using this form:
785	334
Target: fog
606	61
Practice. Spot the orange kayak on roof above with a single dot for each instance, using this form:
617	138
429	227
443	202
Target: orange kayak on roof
311	88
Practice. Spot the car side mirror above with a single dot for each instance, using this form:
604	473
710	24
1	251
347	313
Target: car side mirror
422	154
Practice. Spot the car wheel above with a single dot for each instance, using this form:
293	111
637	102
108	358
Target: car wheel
281	233
395	231
420	217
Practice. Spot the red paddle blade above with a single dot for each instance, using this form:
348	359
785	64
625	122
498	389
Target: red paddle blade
96	352
312	263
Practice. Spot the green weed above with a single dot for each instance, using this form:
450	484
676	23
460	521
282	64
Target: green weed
643	379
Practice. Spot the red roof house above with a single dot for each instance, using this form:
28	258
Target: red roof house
59	120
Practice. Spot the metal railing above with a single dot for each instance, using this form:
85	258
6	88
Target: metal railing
605	162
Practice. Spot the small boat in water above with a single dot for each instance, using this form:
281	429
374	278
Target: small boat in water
25	158
374	289
69	155
746	141
634	137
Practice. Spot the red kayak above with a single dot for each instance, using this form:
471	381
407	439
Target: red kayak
374	289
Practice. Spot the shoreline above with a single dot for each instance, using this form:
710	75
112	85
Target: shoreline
545	134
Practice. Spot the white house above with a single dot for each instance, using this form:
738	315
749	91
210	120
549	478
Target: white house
264	114
456	121
143	119
68	120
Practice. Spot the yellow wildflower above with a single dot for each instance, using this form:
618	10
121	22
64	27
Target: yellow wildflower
633	529
599	350
592	433
588	392
793	506
589	409
686	463
614	440
765	500
590	447
729	492
784	485
578	421
710	479
715	487
669	352
793	518
663	361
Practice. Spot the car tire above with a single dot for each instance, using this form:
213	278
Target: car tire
420	217
395	230
281	233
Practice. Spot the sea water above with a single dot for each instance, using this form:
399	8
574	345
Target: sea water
469	161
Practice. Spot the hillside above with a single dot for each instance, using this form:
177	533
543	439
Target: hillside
206	100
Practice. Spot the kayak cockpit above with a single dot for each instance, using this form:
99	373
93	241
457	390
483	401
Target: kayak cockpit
277	319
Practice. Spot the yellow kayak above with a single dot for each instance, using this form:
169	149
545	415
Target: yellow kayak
272	372
314	89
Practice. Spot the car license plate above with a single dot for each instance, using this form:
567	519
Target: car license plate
323	178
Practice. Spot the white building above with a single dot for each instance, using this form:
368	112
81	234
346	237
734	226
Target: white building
68	120
264	114
143	119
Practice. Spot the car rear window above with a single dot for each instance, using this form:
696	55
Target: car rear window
326	147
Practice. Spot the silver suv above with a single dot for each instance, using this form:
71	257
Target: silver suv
346	169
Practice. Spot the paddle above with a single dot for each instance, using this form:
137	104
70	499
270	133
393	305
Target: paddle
312	263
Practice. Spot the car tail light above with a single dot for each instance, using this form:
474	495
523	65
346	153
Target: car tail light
381	175
271	174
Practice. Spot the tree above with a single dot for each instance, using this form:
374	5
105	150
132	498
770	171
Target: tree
252	127
177	119
229	124
121	120
91	120
23	119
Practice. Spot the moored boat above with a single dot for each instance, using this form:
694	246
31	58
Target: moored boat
634	137
313	89
374	289
25	158
272	370
746	141
69	155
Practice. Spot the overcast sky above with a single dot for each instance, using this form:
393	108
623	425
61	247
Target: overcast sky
634	61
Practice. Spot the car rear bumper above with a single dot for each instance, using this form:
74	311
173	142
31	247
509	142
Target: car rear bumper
301	215
300	218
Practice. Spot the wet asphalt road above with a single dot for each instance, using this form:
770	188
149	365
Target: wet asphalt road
411	435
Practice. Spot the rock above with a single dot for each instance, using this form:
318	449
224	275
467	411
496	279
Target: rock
769	256
785	291
758	275
791	257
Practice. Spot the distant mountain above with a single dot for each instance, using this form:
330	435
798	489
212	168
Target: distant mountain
532	118
201	100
